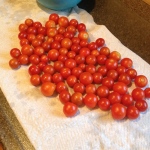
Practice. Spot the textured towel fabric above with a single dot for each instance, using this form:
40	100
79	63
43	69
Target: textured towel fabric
42	118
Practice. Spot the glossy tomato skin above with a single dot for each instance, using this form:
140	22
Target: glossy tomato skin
86	78
63	21
35	80
109	82
132	73
76	71
97	77
147	92
90	100
70	109
71	80
65	72
138	94
120	87
125	78
46	77
14	63
104	104
64	96
79	87
127	100
48	88
100	42
57	77
112	74
77	98
111	64
141	105
102	91
114	97
33	69
126	62
118	111
132	112
90	88
15	52
61	86
141	81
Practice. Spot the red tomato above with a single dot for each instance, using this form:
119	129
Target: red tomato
141	81
97	77
27	50
34	59
90	68
62	58
100	42
57	77
118	111
132	73
90	60
37	24
103	70
49	24
14	63
120	87
64	96
83	35
84	51
73	22
75	40
23	27
101	59
121	69
127	100
90	88
109	82
35	80
111	64
125	78
81	27
126	62
114	97
104	104
36	43
66	43
53	54
39	51
29	22
138	94
147	92
15	52
63	21
132	112
33	69
86	78
61	86
90	100
46	77
112	74
102	91
65	72
71	54
71	29
44	58
71	80
77	98
23	59
76	71
48	88
24	42
104	51
92	46
58	65
95	52
49	69
79	87
115	55
70	63
51	32
70	109
141	105
54	17
80	59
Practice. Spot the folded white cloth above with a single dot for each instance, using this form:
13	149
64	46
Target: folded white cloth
42	118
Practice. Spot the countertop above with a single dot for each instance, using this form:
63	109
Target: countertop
128	20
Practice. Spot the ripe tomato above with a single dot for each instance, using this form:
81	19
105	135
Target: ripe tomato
49	24
114	97
111	64
83	35
63	21
70	109
147	92
127	100
104	51
65	72
54	17
138	94
102	91
14	63
101	59
132	112
66	43
71	29
79	87
141	81
125	78
97	77
58	65
100	42
115	55
36	42
81	27
48	88
49	69
132	73
34	59
70	63
73	22
80	59
112	74
103	70
90	100
35	80
121	69
24	42
120	87
57	77
109	82
27	50
60	86
77	98
126	62
76	71
90	68
15	52
33	69
46	77
90	88
141	105
29	22
84	51
39	51
53	54
90	60
92	46
64	96
23	59
71	80
86	78
104	104
118	111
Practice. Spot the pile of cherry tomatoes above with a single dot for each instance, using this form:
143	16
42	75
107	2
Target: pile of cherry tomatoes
61	59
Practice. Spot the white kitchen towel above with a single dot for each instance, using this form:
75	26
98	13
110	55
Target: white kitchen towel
42	118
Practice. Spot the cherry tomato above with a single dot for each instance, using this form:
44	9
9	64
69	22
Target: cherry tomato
46	77
79	87
73	22
36	43
147	92
90	60
118	111
62	58
29	22
138	94
46	46
115	55
83	35
14	63
15	52
35	80
86	78
57	77
104	104
71	54
27	50
24	42
53	54
71	29
114	97
70	109
81	27
66	43
103	70
39	51
104	51
132	112
75	40
76	48
71	80
95	52
34	59
102	91
49	69
54	17
49	24
101	59
100	42
132	73
48	88
127	100
140	81
55	45
90	68
64	96
141	105
32	30
23	27
80	59
76	71
77	98
109	82
83	43
58	65
70	63
44	58
126	62
61	86
37	24
63	21
112	74
92	46
63	51
121	69
97	77
125	78
111	64
90	88
23	59
120	87
65	72
33	69
84	51
90	100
